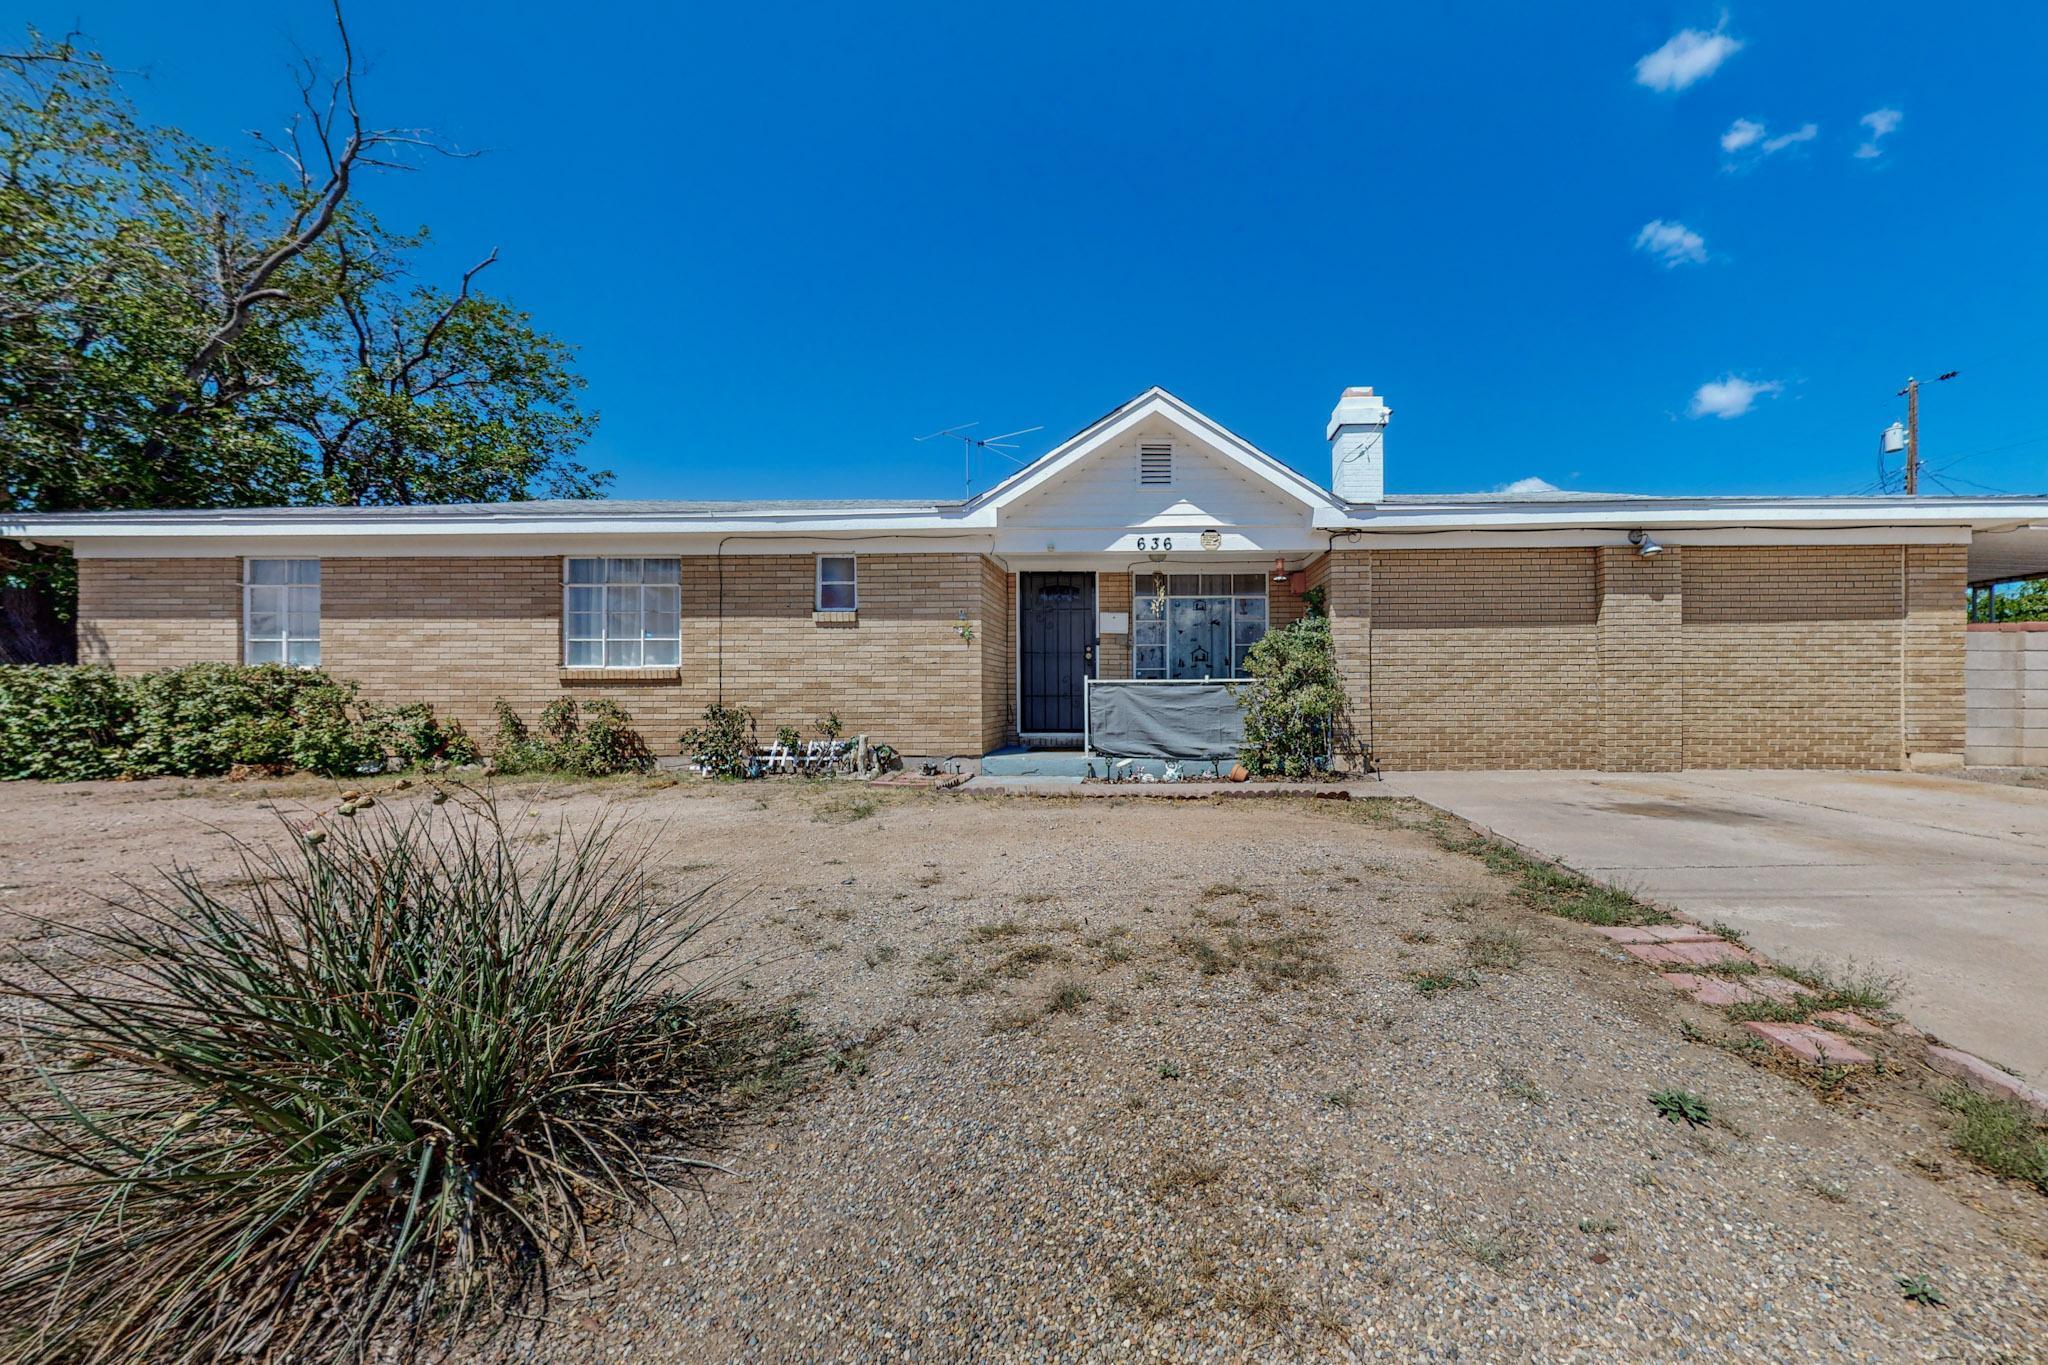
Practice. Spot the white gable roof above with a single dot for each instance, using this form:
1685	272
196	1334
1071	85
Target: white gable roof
1271	487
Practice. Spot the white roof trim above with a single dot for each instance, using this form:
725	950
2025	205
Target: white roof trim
1154	401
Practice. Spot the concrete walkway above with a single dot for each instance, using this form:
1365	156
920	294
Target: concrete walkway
1940	880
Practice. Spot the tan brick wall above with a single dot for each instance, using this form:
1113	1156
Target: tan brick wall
461	632
998	637
1113	654
1703	657
139	614
1642	690
1792	656
1937	641
1485	658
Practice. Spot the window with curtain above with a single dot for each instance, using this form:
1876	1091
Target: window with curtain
838	583
281	612
622	613
1186	625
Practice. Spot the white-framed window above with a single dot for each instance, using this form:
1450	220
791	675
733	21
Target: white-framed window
281	612
1195	625
838	583
622	613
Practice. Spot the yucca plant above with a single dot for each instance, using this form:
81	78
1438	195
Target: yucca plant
385	1086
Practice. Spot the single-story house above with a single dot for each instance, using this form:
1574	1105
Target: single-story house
1504	630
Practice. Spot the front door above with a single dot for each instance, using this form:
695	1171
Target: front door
1056	650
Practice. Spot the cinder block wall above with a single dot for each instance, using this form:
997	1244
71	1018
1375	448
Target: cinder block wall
460	633
2006	670
1701	657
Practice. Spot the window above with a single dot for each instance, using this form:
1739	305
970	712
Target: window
281	612
838	583
622	613
1155	463
1188	625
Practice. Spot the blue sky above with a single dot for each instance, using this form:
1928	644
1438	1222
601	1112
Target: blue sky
789	239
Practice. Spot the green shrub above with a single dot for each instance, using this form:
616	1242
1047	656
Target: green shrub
385	1082
596	739
68	724
204	719
1293	701
724	744
62	723
419	738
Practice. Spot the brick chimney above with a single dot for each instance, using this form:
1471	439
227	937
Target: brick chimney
1357	434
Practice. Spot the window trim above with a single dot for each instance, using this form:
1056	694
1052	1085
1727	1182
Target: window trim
818	583
1140	594
603	641
284	639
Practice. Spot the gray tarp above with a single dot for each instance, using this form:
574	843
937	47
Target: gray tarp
1164	720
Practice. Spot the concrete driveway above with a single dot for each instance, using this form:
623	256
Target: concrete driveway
1940	880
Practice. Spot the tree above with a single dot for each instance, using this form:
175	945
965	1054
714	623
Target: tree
2026	601
178	329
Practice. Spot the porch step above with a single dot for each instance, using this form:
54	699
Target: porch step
1021	762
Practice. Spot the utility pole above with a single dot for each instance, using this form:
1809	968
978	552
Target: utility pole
1911	393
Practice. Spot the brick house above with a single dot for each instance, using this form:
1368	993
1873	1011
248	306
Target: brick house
1473	631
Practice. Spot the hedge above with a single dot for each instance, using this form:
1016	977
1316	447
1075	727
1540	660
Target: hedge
70	724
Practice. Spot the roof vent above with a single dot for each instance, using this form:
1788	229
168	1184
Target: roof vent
1155	464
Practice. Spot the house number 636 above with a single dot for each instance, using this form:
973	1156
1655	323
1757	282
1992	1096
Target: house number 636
1155	542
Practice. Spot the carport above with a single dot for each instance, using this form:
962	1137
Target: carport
2005	666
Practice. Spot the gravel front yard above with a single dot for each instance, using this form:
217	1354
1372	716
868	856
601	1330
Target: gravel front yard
1159	1078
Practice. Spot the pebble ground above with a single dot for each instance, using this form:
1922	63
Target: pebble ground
1151	1080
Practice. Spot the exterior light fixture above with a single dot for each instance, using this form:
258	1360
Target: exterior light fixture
1644	545
1279	569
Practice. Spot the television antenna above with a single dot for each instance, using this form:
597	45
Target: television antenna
1001	445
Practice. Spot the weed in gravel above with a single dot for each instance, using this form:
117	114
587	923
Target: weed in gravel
1998	1135
1729	932
1598	1227
1346	1098
1828	1190
1681	1106
1792	1010
1418	936
1919	1289
1220	890
1851	987
1262	1303
845	809
1551	888
1169	1070
1067	998
879	954
1141	1295
1181	1174
1515	1083
1035	898
1496	949
1273	961
1488	1248
1001	929
1020	962
1437	983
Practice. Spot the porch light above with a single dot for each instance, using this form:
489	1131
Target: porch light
1279	569
1644	545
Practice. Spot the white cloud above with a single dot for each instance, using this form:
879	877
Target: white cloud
1691	55
1748	135
1674	244
1730	396
1532	484
1881	123
1740	134
1805	133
